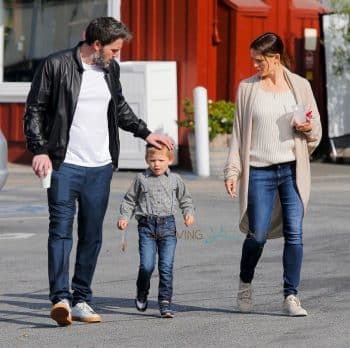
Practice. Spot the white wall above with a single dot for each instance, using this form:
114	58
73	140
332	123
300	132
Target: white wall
337	73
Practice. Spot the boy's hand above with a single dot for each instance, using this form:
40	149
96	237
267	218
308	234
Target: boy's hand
122	224
189	219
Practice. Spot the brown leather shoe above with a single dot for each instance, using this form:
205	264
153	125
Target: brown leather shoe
61	313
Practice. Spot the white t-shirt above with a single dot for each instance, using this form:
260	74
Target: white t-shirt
88	144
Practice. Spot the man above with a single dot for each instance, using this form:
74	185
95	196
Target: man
73	111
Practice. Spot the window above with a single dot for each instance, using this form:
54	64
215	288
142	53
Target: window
35	28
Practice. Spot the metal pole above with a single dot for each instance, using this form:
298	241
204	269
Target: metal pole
200	98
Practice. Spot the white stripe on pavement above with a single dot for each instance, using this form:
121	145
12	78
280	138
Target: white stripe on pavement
16	235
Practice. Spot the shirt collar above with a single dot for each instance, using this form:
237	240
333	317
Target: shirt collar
149	172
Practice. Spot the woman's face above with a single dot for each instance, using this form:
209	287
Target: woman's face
264	65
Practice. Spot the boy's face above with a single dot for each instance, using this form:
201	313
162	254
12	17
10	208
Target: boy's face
158	163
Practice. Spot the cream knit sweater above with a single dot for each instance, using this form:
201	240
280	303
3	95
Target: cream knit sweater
272	132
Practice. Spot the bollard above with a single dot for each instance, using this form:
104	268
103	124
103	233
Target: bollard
201	130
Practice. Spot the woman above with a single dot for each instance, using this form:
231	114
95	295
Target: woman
269	156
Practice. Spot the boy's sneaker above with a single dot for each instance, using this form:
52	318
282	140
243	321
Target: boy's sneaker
165	310
83	312
292	307
244	297
61	313
141	305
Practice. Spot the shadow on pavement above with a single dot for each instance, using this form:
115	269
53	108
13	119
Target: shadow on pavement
31	310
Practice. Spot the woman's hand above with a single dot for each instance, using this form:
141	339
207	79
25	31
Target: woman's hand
304	127
230	186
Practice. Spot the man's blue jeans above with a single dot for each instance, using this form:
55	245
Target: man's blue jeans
90	188
156	234
264	184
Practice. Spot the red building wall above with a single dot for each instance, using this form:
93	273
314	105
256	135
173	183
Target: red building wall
209	40
246	19
241	21
11	124
177	30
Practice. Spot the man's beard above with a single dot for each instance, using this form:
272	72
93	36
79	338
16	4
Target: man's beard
99	60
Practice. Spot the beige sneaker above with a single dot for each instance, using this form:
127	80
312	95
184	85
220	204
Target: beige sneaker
292	307
83	312
61	313
244	297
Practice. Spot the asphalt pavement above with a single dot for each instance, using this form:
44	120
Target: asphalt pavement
205	276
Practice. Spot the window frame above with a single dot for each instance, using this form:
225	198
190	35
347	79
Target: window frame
16	92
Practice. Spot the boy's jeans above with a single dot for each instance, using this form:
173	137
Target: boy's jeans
264	183
156	234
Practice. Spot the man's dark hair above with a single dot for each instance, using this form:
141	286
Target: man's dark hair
106	30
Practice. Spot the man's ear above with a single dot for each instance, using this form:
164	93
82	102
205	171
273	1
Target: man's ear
96	45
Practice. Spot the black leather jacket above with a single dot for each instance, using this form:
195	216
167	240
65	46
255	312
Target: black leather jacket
52	100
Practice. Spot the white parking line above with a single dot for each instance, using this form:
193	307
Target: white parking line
16	235
8	218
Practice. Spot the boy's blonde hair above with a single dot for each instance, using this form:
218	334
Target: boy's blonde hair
150	150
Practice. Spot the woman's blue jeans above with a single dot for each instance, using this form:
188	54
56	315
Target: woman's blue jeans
156	234
264	184
88	188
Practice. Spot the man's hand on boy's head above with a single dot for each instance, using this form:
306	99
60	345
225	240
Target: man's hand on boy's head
189	219
159	139
122	224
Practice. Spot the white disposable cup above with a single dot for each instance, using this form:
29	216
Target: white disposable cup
299	113
46	180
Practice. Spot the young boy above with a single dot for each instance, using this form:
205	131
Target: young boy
152	198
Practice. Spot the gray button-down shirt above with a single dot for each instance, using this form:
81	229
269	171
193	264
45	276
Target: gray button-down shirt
156	195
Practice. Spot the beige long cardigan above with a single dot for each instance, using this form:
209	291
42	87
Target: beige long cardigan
237	165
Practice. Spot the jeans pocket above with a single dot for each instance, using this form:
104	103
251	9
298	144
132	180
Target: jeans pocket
60	187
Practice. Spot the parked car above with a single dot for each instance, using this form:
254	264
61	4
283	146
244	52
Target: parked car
3	160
